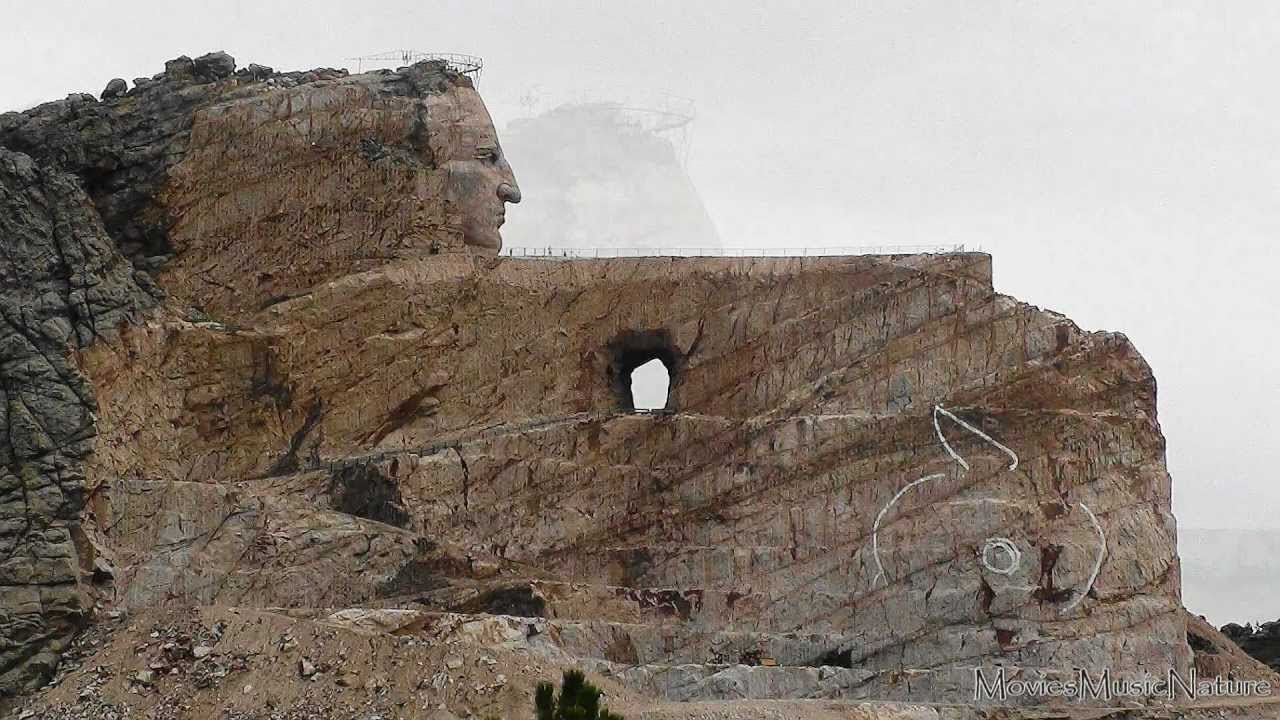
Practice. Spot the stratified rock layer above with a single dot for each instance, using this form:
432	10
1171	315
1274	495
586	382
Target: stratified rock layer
456	422
86	216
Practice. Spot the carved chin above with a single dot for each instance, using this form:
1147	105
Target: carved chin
487	238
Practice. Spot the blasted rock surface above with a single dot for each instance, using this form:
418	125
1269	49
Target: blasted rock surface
85	222
477	398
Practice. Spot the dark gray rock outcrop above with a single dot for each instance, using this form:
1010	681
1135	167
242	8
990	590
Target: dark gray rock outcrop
82	223
62	285
79	226
115	88
1262	642
122	147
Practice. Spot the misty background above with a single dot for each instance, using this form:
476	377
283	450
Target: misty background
1117	159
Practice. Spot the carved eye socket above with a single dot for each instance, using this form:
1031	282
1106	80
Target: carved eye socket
487	154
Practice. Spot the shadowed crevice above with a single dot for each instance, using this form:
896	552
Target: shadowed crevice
633	348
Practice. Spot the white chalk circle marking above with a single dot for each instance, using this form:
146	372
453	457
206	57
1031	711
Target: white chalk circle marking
991	550
1008	547
996	545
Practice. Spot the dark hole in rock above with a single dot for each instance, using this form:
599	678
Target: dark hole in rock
1006	638
837	658
519	601
633	348
1200	644
636	564
363	491
103	573
413	577
650	386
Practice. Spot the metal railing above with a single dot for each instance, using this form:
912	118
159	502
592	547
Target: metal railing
469	65
553	253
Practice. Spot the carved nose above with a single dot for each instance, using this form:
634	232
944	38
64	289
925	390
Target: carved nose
509	193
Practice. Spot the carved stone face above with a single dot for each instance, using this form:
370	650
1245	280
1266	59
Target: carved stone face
480	182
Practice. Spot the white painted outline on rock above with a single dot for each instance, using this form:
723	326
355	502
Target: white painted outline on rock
994	543
875	528
1010	549
938	409
1097	565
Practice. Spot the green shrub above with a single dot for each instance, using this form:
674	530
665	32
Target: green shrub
578	700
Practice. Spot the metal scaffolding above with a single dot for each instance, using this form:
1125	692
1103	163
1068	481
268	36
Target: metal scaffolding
469	65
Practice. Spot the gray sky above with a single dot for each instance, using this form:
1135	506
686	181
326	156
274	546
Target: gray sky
1118	159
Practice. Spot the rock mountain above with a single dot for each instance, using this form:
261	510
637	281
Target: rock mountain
279	441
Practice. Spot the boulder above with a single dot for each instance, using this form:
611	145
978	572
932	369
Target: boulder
115	88
214	65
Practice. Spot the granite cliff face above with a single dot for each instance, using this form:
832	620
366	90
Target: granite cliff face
86	225
258	372
475	445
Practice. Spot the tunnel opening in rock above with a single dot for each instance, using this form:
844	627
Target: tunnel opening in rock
643	370
650	386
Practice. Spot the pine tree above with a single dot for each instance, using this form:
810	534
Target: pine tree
579	700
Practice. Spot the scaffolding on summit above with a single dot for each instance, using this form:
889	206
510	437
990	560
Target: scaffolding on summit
656	112
469	65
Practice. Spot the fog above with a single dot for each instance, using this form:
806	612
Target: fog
1116	159
607	174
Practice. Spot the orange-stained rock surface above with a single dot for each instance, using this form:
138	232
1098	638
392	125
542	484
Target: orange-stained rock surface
341	427
450	426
